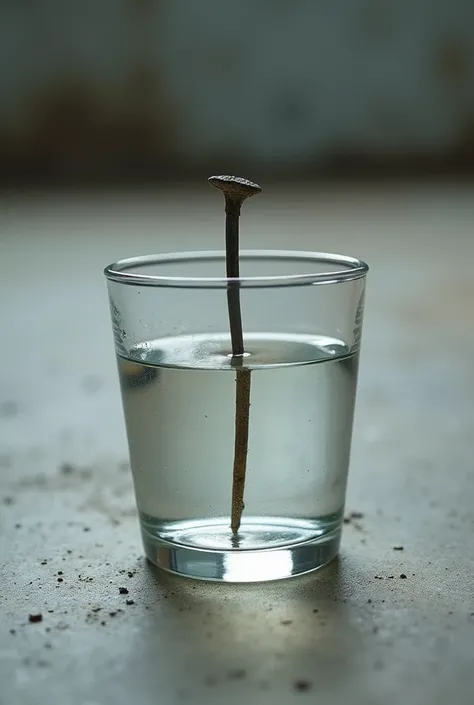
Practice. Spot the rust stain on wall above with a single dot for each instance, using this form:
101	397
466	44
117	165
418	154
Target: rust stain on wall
73	131
143	7
451	60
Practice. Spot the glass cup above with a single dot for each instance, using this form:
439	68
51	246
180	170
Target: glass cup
183	403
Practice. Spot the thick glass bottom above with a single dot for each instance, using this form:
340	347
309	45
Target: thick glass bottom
266	548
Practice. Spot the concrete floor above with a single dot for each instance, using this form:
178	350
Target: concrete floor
69	537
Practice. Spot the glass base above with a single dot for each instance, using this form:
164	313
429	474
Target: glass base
266	548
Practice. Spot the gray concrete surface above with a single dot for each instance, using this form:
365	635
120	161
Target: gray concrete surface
69	538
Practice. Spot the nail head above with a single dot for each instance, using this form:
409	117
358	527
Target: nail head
235	186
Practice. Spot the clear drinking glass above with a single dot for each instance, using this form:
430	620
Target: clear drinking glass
302	317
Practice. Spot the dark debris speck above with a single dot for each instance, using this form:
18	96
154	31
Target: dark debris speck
129	602
123	590
33	618
286	622
91	384
9	408
403	576
237	673
398	548
302	685
351	516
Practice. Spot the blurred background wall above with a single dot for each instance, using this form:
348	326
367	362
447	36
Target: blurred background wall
127	91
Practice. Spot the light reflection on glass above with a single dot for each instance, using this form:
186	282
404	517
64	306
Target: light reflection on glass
252	567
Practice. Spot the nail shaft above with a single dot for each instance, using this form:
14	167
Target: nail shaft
235	191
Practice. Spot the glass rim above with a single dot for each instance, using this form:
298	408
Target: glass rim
346	269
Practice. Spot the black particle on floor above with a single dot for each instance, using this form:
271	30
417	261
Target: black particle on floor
302	686
60	572
237	674
8	408
12	631
398	548
86	528
315	611
103	623
35	618
129	602
60	580
123	590
403	576
91	384
286	622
